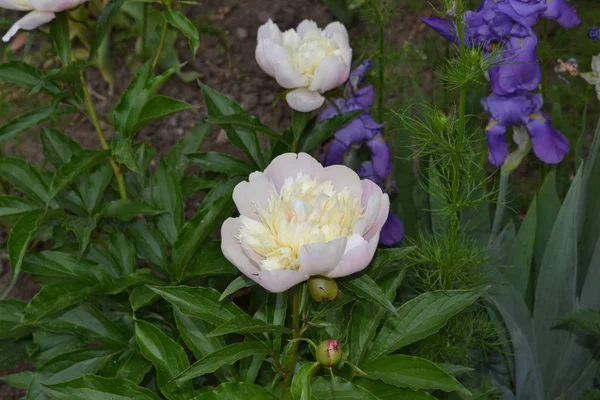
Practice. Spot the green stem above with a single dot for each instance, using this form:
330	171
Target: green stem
163	35
456	161
289	373
501	206
91	111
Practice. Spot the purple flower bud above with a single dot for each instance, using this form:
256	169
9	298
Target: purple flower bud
594	33
329	353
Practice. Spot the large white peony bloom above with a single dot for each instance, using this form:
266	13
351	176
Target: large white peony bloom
299	219
42	12
309	60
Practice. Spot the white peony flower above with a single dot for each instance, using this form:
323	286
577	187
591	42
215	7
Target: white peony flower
593	78
309	60
42	12
299	219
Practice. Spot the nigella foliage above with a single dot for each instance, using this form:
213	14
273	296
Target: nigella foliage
507	24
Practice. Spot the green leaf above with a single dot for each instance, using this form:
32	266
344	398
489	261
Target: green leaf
122	150
548	197
242	137
185	26
203	223
227	355
11	206
383	391
190	143
149	245
19	239
385	257
168	358
141	296
159	107
412	372
25	178
79	164
322	131
244	324
420	317
11	313
365	317
221	162
27	76
140	277
556	289
209	261
59	30
19	380
65	265
299	122
58	148
55	297
244	120
341	389
366	288
200	302
126	210
590	234
25	121
134	368
93	387
238	283
73	364
105	20
92	186
236	391
166	195
301	387
194	333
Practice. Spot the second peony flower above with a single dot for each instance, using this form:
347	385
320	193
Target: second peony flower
307	60
299	219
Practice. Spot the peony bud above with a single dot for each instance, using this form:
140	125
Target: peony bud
322	288
329	353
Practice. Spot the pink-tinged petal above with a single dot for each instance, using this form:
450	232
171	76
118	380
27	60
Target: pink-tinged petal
290	165
359	254
30	21
55	5
305	26
337	28
279	281
304	100
15	5
320	258
331	73
271	31
232	248
384	210
248	196
342	178
371	202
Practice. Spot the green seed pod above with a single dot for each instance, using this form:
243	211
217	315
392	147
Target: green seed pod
322	288
329	353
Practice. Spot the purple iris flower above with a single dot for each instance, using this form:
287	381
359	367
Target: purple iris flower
363	130
519	69
522	108
594	33
444	27
527	12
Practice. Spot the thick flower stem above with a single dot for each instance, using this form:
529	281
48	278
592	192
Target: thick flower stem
456	159
163	35
289	373
91	111
501	206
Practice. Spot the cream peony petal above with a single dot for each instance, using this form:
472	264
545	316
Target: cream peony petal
337	28
55	5
320	258
232	248
30	21
247	196
304	100
331	73
371	202
286	76
358	255
271	31
305	26
266	55
291	164
279	281
384	211
16	5
342	178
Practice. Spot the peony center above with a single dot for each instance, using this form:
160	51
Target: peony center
306	53
305	211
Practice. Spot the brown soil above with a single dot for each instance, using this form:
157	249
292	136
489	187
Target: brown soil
234	73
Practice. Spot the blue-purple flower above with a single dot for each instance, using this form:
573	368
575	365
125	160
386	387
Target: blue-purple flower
363	131
519	68
522	108
527	12
594	33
